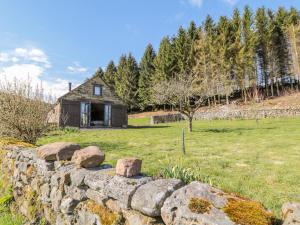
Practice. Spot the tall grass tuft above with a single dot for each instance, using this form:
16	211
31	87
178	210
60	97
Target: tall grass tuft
187	175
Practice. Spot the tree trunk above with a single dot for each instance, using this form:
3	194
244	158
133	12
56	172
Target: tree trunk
272	89
190	123
277	88
227	99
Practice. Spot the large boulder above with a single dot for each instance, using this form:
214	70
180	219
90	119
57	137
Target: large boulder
57	151
122	189
149	198
128	167
88	157
291	213
201	204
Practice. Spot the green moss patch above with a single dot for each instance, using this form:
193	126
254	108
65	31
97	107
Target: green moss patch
245	212
200	206
106	216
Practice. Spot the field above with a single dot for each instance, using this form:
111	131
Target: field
257	160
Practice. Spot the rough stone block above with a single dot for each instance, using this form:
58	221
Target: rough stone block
68	205
128	167
57	151
122	188
88	157
149	198
291	213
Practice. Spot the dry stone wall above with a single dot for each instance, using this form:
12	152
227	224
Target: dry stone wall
228	114
62	193
246	114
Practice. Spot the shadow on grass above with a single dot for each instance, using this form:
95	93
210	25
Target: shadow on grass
231	130
104	145
145	127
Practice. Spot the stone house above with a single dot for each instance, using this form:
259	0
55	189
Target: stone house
92	104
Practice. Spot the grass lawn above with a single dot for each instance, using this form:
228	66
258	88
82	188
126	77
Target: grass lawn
260	161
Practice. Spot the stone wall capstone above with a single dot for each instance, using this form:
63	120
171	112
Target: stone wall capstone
62	192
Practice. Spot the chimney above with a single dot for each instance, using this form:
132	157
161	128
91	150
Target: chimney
70	86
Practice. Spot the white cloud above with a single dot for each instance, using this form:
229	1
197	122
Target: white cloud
31	65
34	74
199	3
231	2
77	68
25	54
196	3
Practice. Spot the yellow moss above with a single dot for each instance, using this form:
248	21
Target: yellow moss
4	141
198	205
30	170
34	205
106	216
246	212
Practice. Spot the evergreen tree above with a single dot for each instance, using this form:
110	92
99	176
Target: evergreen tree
127	81
211	65
147	71
99	72
249	40
164	62
293	30
109	74
223	46
261	25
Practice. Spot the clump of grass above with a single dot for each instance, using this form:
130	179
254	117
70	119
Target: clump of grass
5	201
200	206
187	175
246	212
70	130
106	216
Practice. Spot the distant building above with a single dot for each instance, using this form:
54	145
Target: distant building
92	104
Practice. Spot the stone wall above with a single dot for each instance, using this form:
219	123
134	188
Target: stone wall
166	118
228	114
246	114
62	193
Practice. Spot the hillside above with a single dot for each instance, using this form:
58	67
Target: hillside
283	102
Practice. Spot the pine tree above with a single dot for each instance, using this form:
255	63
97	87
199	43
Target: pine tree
211	69
109	74
249	40
147	71
99	72
223	46
127	81
261	26
164	62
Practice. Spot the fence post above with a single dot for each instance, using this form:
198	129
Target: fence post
183	144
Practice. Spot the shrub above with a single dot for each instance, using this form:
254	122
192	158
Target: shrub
23	111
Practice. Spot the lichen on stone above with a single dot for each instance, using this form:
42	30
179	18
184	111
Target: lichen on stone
246	212
200	206
106	216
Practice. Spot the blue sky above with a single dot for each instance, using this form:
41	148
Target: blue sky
57	41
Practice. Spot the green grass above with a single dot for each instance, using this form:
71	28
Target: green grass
6	217
260	161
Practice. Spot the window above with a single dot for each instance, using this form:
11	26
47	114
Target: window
97	90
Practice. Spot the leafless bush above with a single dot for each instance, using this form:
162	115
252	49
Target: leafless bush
23	111
186	95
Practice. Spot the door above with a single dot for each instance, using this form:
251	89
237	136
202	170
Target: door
85	111
107	115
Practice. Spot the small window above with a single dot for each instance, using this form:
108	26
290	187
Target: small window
97	90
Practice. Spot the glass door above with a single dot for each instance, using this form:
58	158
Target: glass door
85	111
107	115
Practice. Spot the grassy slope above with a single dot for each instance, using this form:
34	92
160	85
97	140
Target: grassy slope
261	161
